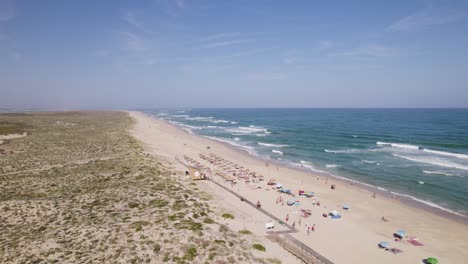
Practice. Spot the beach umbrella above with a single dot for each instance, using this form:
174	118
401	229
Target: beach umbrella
278	185
334	213
432	260
401	233
384	244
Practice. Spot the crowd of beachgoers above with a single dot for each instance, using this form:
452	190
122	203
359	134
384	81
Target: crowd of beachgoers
232	174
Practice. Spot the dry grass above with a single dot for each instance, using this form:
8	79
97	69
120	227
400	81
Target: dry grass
80	189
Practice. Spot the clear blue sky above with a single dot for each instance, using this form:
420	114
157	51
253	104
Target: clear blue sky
181	53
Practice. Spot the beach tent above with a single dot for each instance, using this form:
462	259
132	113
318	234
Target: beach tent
310	194
345	206
195	174
334	213
270	225
431	260
278	185
400	233
384	244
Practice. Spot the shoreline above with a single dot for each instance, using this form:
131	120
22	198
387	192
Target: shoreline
387	194
342	241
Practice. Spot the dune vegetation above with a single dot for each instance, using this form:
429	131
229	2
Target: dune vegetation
78	188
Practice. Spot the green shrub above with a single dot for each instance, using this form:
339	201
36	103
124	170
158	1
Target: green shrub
228	216
259	247
208	221
245	232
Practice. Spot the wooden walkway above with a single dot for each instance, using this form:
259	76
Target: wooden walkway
284	238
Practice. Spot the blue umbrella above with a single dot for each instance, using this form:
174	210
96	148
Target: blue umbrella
401	233
384	244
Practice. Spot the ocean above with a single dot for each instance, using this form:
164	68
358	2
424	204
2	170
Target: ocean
421	154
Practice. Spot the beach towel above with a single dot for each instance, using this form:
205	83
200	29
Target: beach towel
394	250
335	216
415	243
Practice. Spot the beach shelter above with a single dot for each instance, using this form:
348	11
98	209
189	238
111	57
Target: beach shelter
334	213
384	244
269	225
345	207
400	233
195	173
278	185
431	260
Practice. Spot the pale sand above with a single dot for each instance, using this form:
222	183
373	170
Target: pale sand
12	136
352	239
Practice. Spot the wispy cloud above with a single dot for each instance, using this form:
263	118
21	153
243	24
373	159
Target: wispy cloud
133	42
130	17
220	36
267	76
370	51
225	43
424	18
7	10
290	60
324	45
180	3
172	8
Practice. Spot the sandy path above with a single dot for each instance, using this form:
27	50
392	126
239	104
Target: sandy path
352	239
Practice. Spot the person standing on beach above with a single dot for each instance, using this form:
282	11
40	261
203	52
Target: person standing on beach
287	217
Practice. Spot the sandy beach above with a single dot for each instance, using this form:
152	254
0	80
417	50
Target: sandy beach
351	239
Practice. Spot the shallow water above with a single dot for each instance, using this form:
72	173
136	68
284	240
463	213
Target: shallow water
422	153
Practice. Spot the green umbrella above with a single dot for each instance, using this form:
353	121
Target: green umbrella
432	261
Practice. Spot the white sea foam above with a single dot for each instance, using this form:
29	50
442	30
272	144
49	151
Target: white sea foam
354	136
397	145
249	149
308	165
200	118
236	139
180	116
272	145
438	173
428	203
247	130
233	122
413	147
332	165
371	162
342	151
433	161
421	182
277	152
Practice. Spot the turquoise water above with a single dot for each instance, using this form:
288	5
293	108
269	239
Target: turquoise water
421	153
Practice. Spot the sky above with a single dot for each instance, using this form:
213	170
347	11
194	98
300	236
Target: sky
200	54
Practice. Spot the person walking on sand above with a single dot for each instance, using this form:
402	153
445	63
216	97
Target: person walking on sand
287	217
373	195
294	225
313	228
